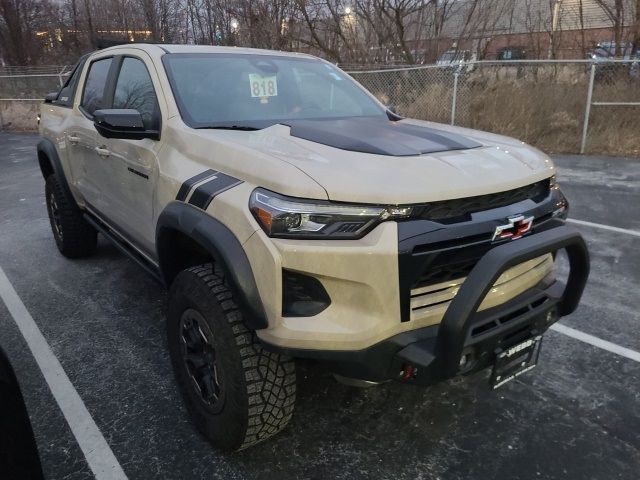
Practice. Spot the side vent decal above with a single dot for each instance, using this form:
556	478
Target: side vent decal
205	193
209	184
188	184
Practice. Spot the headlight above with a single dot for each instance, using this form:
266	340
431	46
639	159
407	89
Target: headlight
553	183
281	216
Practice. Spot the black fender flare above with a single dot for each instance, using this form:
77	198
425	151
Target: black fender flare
47	151
226	250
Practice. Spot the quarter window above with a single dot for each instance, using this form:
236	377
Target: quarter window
92	97
134	89
67	92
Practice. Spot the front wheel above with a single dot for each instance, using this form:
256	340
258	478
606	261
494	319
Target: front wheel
237	393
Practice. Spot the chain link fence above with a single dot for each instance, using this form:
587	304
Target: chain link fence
22	89
559	106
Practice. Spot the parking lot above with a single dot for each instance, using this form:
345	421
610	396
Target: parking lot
576	416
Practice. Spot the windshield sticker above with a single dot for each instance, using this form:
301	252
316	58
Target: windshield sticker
263	86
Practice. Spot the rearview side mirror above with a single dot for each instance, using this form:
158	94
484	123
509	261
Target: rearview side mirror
392	113
122	123
50	97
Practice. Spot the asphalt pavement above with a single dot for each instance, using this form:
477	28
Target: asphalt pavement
576	416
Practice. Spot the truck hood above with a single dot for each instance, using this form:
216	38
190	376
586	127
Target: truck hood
406	161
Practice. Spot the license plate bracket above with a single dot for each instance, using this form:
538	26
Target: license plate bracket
514	361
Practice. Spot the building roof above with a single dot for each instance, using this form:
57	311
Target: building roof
529	16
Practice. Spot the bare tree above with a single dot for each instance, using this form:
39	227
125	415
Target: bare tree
345	31
615	12
19	19
636	28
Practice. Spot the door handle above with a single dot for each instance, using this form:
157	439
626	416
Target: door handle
103	152
73	139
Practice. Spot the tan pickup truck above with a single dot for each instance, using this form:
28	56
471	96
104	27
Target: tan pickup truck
291	215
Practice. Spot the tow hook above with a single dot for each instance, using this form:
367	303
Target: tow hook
467	361
408	372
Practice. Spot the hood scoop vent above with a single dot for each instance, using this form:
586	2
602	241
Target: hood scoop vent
379	136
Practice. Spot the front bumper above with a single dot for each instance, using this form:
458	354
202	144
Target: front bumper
466	340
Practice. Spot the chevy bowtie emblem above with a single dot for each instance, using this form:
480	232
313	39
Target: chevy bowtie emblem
518	225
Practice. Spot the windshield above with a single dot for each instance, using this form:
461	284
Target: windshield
217	90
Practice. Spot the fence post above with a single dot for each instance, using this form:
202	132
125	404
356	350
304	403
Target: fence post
454	100
587	110
60	76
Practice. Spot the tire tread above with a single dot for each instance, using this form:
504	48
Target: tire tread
79	238
270	377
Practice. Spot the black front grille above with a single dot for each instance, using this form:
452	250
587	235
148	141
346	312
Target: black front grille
446	273
429	254
454	259
448	211
448	265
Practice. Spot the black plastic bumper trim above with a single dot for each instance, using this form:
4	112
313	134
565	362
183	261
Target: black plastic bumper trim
435	351
379	362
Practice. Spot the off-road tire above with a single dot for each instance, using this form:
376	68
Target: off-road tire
258	387
74	237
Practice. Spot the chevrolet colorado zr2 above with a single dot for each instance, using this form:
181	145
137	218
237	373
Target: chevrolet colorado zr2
291	215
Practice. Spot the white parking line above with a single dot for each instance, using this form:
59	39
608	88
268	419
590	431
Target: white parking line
596	341
635	233
99	456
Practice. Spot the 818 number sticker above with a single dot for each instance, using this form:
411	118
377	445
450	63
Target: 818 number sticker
263	86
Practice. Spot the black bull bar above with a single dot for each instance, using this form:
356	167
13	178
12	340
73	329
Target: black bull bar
443	359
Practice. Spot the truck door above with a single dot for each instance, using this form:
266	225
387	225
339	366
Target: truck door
130	167
81	136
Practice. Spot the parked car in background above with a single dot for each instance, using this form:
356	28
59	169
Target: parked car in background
607	50
456	58
610	72
512	53
19	458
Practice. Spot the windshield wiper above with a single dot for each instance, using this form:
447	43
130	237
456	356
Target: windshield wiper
228	127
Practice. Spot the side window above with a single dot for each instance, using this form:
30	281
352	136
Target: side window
134	89
94	85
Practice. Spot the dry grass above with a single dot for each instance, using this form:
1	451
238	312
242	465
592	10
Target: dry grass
18	115
551	116
547	118
544	107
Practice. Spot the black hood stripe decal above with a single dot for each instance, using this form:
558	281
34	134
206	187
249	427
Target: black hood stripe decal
379	136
